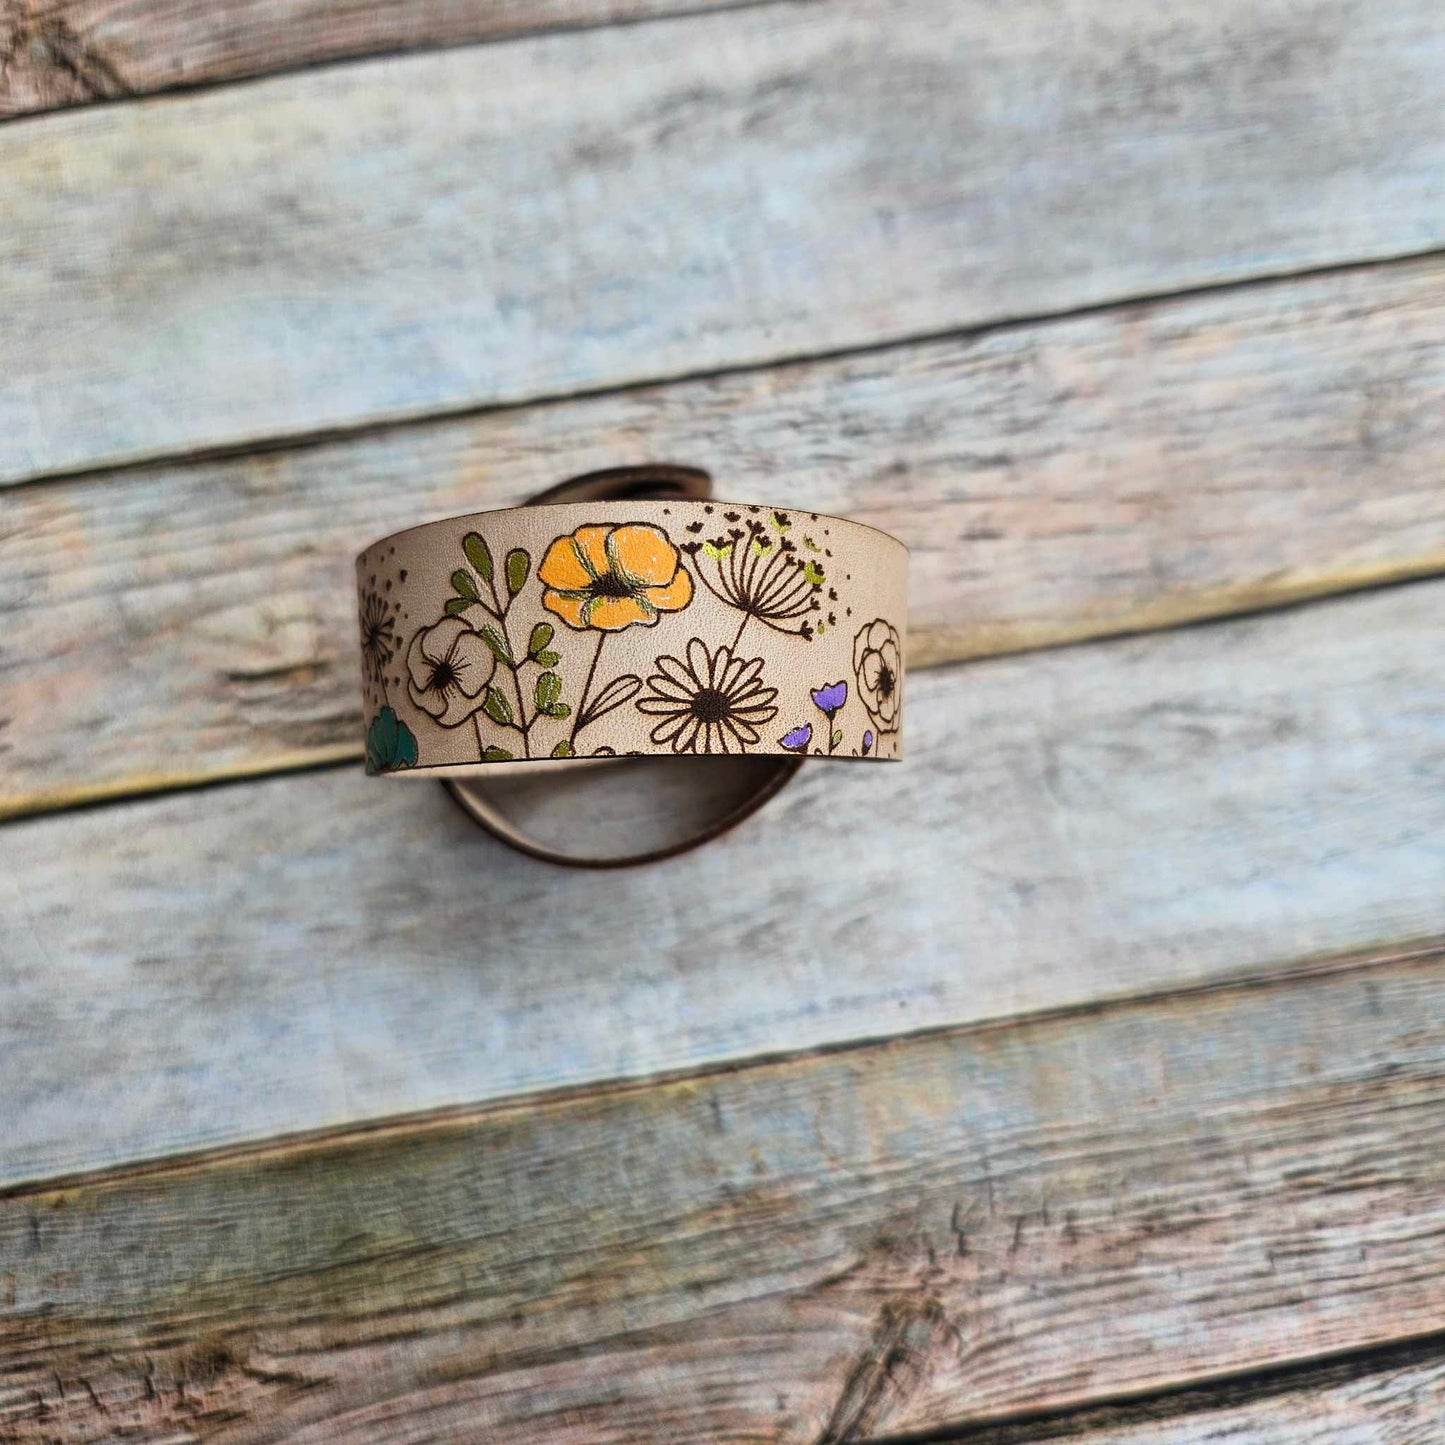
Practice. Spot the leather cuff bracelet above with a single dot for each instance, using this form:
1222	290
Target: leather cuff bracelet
639	625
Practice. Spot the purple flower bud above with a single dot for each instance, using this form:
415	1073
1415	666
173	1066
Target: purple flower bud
797	741
867	742
830	697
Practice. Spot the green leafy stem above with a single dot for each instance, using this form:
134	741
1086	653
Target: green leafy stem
545	689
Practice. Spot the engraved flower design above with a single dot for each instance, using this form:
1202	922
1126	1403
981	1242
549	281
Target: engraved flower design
712	702
390	744
613	577
829	698
449	667
878	666
759	571
378	634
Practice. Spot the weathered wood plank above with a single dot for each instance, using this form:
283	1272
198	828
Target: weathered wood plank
75	51
494	223
923	1233
1067	825
1363	1399
1118	471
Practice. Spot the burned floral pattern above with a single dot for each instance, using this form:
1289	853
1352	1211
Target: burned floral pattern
754	567
611	578
709	701
522	647
390	744
378	635
878	666
448	669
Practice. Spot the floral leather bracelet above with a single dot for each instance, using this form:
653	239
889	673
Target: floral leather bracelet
652	622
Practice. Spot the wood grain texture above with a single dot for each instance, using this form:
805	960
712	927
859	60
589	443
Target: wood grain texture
924	1233
1066	826
1393	1395
1124	470
1401	1408
489	224
56	53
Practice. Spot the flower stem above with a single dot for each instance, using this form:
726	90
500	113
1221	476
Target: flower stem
579	717
498	610
738	635
524	723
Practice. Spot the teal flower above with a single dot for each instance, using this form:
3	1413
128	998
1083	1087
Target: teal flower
389	744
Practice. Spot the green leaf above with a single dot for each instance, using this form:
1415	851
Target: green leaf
541	636
462	581
455	605
549	689
558	709
563	749
498	708
779	522
837	737
519	568
496	755
497	643
549	659
715	552
479	555
813	573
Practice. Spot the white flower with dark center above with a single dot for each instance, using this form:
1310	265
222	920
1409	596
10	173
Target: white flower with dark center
878	666
449	667
711	703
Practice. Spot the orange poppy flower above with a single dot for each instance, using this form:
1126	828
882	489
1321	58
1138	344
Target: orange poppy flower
611	577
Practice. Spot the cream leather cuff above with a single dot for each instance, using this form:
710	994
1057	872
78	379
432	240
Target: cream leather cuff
631	627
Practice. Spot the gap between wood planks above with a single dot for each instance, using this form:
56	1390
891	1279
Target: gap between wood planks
1103	1420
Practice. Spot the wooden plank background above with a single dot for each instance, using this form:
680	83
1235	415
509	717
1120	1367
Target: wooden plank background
1070	825
1141	467
576	211
933	1230
1128	318
77	51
